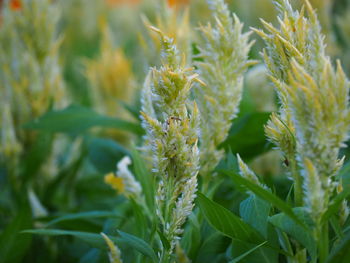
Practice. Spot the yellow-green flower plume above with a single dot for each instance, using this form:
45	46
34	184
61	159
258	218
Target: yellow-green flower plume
224	52
114	252
314	115
175	23
30	73
171	122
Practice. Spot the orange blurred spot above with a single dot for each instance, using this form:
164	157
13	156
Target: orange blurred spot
15	5
122	2
176	3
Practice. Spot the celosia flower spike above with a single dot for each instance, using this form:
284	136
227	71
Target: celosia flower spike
171	122
313	122
30	72
225	59
246	172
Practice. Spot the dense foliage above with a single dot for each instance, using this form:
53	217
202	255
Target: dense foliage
174	131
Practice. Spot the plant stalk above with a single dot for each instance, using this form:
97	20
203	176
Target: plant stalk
298	187
323	242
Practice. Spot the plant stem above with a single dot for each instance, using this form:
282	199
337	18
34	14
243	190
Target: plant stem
300	255
322	242
298	187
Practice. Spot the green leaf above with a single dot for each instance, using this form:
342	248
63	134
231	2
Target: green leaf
247	135
335	205
104	154
262	254
211	247
140	218
255	212
64	177
265	195
336	226
146	179
340	252
229	163
93	239
37	154
84	215
238	259
137	243
191	239
226	222
164	240
344	175
76	119
92	256
132	109
97	241
13	246
289	226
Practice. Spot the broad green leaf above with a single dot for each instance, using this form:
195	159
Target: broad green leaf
238	259
335	205
266	254
286	224
247	135
145	178
133	110
344	175
93	239
13	246
226	222
97	241
255	212
253	254
247	105
137	243
104	154
191	239
336	226
265	195
37	154
164	240
340	252
211	247
92	256
229	163
76	119
63	177
84	215
140	218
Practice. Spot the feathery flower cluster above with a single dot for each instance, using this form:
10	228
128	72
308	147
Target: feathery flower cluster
314	118
225	59
111	80
172	132
30	75
110	76
124	181
245	171
172	22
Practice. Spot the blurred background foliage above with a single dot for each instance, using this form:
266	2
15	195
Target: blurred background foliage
91	58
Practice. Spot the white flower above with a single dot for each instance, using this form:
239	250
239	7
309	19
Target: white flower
131	186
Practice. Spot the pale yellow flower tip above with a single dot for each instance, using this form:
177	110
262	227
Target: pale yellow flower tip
114	252
115	182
